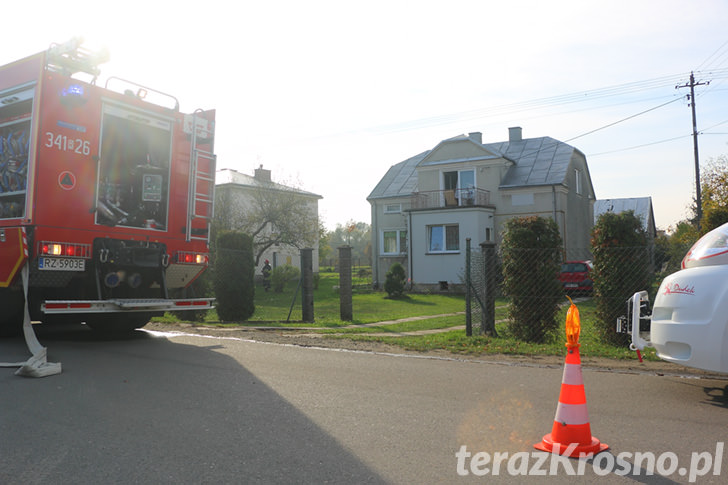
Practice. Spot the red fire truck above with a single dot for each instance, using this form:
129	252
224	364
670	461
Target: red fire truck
106	194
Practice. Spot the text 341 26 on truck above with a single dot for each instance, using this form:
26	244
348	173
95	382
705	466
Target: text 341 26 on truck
106	195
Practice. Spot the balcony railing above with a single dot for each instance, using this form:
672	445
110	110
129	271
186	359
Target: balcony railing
431	199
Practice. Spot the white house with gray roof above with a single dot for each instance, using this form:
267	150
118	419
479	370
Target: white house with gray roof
236	194
426	207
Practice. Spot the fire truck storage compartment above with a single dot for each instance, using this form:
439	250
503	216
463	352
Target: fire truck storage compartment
15	110
126	269
134	169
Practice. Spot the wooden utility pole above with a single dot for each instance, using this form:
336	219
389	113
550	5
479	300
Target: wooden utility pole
691	97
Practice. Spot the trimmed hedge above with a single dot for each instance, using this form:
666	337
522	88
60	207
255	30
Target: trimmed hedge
621	268
531	262
234	281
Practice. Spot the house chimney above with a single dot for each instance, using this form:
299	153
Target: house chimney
476	136
515	133
262	174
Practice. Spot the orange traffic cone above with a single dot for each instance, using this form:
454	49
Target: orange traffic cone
571	433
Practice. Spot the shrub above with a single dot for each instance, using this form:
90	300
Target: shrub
395	280
234	274
621	268
282	275
531	253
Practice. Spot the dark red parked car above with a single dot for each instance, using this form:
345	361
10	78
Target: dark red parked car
576	276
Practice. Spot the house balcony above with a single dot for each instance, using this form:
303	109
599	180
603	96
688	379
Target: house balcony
433	199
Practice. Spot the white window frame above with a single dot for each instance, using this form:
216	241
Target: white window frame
464	194
442	248
577	177
400	236
395	208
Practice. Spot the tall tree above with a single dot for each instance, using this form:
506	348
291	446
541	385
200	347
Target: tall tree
271	214
354	234
714	188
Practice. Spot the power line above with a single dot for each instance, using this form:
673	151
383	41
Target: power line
712	55
556	142
622	120
713	126
639	146
539	103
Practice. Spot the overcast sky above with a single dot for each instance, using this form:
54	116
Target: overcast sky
330	94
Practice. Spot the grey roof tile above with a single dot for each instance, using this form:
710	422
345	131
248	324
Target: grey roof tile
537	161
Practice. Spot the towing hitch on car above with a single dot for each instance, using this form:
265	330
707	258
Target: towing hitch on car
688	324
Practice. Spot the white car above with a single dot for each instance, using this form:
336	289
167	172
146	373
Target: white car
689	320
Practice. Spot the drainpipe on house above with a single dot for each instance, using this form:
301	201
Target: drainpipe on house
410	243
562	229
375	247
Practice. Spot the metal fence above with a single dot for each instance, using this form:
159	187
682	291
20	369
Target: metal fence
613	275
333	264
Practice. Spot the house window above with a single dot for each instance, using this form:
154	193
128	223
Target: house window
394	241
577	177
487	234
392	208
444	238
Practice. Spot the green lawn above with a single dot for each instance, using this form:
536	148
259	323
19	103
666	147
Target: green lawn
272	309
456	340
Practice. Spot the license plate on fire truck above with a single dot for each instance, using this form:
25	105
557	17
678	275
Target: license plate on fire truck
61	264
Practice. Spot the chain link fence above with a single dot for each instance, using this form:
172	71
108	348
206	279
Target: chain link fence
529	284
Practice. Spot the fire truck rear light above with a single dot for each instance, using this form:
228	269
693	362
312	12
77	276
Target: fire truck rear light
66	305
72	250
54	249
192	258
191	303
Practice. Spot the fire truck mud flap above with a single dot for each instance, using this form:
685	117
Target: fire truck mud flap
37	365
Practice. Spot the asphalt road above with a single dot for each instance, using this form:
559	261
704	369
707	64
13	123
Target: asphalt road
189	409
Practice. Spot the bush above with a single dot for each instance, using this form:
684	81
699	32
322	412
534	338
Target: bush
531	253
395	280
282	275
621	268
234	275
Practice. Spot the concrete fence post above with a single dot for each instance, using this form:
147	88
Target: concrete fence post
345	289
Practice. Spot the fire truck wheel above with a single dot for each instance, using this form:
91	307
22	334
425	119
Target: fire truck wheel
11	317
115	323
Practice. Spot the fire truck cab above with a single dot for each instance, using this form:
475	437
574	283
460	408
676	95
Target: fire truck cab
106	195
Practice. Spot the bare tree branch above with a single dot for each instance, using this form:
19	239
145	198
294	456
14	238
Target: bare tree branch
272	214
